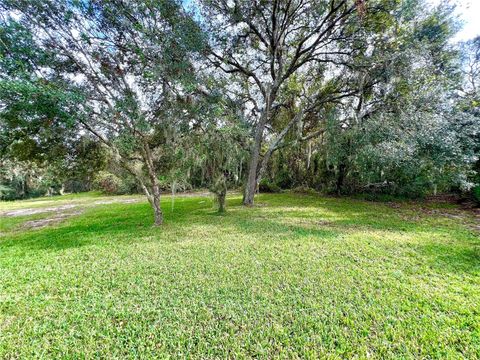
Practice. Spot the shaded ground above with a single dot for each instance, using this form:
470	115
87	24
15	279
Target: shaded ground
294	277
450	206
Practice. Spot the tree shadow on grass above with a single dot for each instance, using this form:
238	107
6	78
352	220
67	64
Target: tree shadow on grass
192	218
458	258
102	228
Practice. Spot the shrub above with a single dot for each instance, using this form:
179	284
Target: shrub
268	187
108	183
304	190
6	193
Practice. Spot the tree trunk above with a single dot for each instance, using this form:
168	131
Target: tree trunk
154	198
260	168
252	181
221	202
251	187
157	210
263	165
341	178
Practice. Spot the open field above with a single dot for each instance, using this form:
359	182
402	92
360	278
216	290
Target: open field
293	277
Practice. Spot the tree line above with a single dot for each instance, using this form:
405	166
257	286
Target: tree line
341	96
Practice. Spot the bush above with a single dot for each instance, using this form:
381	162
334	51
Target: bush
7	193
108	183
266	186
304	190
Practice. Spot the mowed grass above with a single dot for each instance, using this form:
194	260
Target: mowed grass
293	277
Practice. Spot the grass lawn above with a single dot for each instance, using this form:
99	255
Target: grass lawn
294	277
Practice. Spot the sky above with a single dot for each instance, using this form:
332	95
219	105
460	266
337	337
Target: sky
468	12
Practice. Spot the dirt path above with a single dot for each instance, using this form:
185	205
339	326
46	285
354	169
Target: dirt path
33	211
56	218
59	213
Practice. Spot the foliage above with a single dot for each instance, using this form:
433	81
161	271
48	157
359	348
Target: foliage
21	180
469	96
338	96
72	171
37	115
217	153
274	55
402	132
130	69
108	183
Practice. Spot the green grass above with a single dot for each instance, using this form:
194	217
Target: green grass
294	277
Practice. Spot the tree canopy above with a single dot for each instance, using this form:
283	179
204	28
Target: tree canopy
340	96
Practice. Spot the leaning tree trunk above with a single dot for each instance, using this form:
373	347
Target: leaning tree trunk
157	210
154	196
